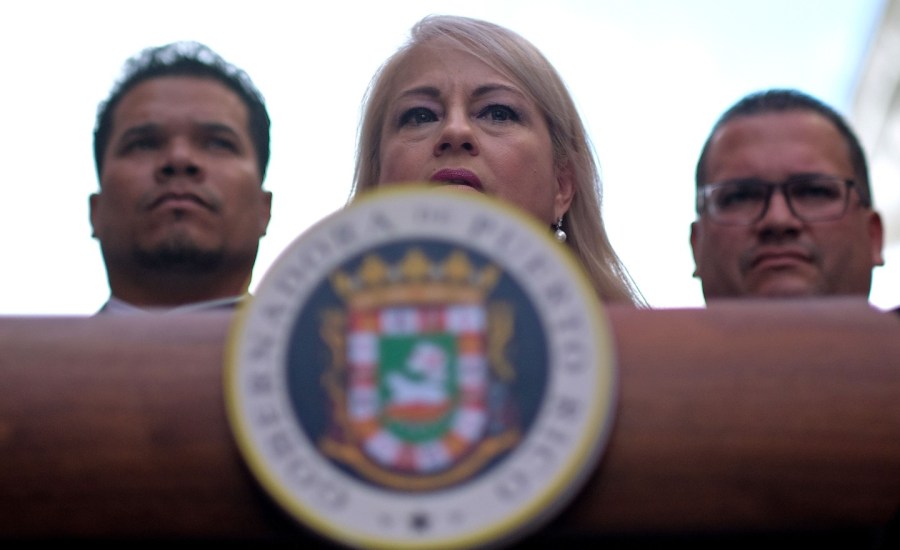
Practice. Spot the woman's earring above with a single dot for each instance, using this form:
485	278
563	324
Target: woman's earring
558	231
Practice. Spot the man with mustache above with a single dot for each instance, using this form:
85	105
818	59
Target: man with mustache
784	204
181	147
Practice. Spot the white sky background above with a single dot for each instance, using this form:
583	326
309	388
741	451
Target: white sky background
650	78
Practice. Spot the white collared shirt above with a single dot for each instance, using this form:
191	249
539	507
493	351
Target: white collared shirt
116	306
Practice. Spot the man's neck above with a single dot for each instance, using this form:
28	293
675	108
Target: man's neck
166	290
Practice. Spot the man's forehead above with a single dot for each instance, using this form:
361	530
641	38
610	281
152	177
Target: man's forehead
168	99
778	123
775	145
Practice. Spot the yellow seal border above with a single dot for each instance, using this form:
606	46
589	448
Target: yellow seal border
556	491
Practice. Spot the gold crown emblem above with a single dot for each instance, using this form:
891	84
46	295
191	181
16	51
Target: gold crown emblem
415	280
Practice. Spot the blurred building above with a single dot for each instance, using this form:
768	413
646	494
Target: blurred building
875	114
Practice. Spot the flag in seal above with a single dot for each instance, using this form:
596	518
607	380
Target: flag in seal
422	369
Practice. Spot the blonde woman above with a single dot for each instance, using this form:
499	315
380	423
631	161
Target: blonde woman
471	104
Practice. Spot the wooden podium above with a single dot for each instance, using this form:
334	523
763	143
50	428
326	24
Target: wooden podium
740	422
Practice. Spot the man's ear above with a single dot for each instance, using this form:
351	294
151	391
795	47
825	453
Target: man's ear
876	237
92	212
695	238
265	214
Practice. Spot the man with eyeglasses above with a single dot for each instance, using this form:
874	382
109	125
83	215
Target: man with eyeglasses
783	201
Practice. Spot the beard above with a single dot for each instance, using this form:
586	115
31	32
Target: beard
179	253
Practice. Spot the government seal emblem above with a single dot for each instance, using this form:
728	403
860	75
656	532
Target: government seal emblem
422	369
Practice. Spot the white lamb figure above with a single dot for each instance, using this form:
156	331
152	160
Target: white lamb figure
424	378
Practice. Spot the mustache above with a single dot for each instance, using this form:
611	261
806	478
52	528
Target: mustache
201	197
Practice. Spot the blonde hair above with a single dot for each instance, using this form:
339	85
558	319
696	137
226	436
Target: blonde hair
515	58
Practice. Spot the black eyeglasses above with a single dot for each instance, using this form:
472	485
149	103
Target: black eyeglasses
811	198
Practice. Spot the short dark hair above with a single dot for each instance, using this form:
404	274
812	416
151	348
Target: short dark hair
185	59
784	100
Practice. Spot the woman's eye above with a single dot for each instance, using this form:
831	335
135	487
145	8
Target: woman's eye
499	113
417	116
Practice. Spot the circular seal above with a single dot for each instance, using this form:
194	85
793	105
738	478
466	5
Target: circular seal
422	369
